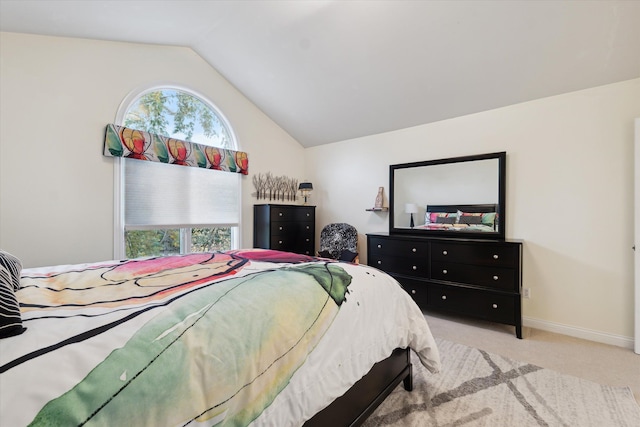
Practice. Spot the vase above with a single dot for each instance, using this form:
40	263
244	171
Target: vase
379	198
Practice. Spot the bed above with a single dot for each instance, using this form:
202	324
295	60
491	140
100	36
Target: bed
247	337
479	218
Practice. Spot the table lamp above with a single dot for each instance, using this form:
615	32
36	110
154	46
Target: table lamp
411	208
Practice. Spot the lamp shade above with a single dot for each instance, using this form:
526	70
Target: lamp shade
410	208
305	186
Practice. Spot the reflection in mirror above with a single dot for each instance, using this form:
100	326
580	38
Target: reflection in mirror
461	196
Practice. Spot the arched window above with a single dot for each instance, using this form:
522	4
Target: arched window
164	209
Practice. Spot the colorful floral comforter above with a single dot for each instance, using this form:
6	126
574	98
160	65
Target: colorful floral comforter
250	337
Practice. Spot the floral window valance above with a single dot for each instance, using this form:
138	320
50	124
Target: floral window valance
121	141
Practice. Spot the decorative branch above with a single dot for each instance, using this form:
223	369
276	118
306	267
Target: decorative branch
272	187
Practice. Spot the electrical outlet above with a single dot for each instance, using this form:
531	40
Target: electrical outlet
526	293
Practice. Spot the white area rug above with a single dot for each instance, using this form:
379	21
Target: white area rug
476	388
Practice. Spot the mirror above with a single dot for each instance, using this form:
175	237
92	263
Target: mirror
455	197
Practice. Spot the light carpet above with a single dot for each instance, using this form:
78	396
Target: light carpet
476	388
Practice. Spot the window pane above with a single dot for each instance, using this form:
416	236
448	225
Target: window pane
160	242
210	239
143	243
179	115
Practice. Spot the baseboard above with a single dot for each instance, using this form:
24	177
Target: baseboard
576	332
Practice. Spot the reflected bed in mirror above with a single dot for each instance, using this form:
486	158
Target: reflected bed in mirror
454	197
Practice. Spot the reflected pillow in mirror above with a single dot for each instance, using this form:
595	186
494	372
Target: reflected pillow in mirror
489	219
441	218
469	218
485	218
446	219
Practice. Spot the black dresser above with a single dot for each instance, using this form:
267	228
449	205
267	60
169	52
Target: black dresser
479	278
289	228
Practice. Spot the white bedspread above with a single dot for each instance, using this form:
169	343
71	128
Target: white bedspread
75	337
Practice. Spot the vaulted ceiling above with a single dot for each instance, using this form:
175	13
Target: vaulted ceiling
327	71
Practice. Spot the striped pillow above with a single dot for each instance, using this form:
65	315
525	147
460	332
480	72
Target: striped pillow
10	319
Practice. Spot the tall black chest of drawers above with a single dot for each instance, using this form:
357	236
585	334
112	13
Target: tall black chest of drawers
479	278
289	228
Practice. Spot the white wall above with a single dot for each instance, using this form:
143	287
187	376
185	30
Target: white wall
56	97
569	196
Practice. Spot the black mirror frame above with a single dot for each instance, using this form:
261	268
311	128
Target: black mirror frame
502	169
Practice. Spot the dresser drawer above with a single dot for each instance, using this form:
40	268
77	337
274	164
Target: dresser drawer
482	304
400	265
304	246
476	253
306	228
401	248
283	228
278	214
295	213
282	243
279	228
416	289
490	277
304	214
305	243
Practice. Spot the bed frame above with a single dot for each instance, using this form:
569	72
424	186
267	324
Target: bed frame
354	407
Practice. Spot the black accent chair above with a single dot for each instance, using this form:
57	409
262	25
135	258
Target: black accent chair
339	241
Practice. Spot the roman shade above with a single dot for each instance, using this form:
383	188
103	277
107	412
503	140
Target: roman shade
162	195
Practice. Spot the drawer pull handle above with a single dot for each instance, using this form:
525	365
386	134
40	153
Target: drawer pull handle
495	305
444	252
308	214
414	268
280	214
307	227
444	272
495	277
379	262
280	242
379	246
279	228
496	256
444	297
413	291
307	240
414	250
